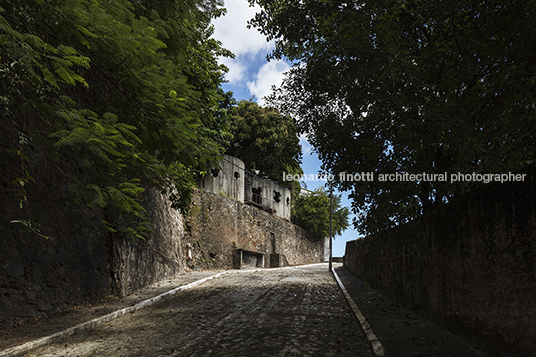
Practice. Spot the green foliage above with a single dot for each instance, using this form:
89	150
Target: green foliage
29	227
265	140
408	86
86	84
312	212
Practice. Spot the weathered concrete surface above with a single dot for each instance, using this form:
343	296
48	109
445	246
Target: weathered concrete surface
230	180
235	182
296	311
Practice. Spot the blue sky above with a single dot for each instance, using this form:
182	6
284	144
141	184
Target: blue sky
252	76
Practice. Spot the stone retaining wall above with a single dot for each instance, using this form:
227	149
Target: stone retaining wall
80	264
41	275
470	264
135	265
218	226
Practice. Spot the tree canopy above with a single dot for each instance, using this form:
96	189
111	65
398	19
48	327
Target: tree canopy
265	140
408	86
116	94
312	213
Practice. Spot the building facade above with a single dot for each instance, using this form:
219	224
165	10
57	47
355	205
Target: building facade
233	180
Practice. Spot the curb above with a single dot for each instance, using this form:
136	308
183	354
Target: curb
25	348
58	336
375	344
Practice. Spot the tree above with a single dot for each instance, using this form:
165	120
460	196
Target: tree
406	86
266	141
312	213
116	95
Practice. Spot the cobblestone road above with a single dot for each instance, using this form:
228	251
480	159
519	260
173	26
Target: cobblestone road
297	311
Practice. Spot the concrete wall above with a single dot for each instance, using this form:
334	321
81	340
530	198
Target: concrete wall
268	194
471	264
233	181
219	226
229	180
326	249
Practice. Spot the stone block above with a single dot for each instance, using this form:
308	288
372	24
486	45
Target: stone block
15	268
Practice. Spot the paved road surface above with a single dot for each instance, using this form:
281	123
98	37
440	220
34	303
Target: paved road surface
297	311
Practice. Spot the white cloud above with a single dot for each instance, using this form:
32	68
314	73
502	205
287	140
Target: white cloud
270	74
249	70
306	147
237	70
231	30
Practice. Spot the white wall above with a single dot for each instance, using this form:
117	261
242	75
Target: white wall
235	182
274	197
228	181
